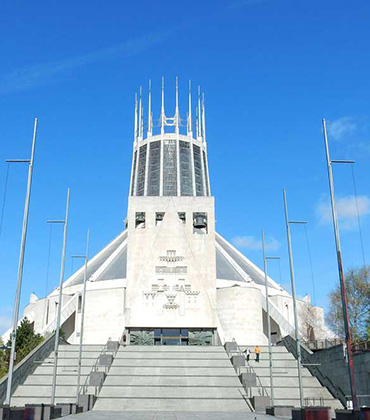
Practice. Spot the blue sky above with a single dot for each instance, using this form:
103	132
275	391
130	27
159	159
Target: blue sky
270	71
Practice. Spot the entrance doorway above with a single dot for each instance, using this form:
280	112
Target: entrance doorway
171	336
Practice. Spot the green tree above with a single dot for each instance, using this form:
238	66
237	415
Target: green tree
26	341
3	360
357	282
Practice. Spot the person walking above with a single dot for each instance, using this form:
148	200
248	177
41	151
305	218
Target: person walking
247	354
257	352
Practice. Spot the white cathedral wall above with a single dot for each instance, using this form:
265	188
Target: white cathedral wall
104	315
192	279
240	313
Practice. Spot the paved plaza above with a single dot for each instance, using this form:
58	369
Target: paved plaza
161	415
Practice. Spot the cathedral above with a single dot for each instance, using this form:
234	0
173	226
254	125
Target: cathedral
169	278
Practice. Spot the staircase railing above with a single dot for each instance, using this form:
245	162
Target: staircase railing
27	366
314	369
97	367
67	310
250	369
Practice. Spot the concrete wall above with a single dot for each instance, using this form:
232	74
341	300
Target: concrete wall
240	314
171	271
334	365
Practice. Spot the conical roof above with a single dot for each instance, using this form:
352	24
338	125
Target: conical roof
111	263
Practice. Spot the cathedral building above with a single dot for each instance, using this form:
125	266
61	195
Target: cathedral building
169	278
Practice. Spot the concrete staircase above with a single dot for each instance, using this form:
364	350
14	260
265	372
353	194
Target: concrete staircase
285	377
37	386
172	378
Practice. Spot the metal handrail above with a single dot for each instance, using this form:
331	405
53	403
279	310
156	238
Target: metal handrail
251	369
27	366
83	388
325	381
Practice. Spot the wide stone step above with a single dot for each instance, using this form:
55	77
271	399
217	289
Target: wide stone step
22	401
171	355
165	349
173	362
222	381
276	357
45	391
293	392
166	370
196	392
65	370
265	371
290	381
71	361
48	379
85	347
295	402
265	349
171	404
276	363
75	354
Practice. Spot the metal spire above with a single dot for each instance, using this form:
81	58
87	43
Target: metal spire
196	122
177	114
199	115
140	114
163	117
135	127
142	122
190	131
150	122
203	119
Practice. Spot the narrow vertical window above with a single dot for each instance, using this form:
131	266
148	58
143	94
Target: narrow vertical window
154	168
198	171
185	169
206	172
169	168
133	174
141	171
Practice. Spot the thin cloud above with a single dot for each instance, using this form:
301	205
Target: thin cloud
39	75
254	244
342	128
51	72
346	210
353	133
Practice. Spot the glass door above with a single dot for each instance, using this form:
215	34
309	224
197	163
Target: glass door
170	336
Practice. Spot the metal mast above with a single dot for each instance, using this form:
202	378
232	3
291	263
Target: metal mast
268	318
86	257
296	326
347	329
20	264
56	345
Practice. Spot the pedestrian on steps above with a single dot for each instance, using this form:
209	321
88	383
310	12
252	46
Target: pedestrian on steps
257	352
247	354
